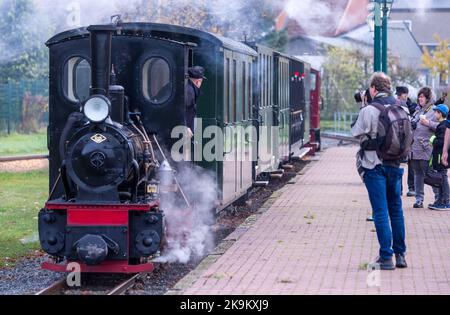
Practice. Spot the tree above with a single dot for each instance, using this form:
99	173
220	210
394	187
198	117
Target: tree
347	71
24	55
253	20
438	61
344	74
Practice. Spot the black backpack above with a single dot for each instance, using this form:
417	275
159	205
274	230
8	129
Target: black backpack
394	134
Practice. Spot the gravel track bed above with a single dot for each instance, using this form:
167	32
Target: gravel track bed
26	278
23	166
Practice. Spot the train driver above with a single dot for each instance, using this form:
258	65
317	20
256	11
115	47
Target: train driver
196	76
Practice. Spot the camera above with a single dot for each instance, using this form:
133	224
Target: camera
358	98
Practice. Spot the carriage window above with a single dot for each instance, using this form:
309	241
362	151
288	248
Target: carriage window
77	79
156	80
268	103
227	90
263	82
313	81
249	91
244	89
234	92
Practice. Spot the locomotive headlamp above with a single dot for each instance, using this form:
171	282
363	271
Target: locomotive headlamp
97	108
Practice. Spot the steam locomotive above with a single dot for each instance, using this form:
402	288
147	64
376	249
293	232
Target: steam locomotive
117	91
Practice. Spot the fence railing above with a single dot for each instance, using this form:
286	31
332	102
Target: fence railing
341	123
23	106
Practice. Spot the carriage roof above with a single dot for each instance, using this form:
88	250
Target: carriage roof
175	33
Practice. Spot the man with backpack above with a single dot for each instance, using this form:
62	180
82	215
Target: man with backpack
385	134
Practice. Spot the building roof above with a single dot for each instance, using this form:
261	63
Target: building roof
340	17
400	40
420	5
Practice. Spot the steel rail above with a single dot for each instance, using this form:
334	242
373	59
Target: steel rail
125	286
23	158
53	289
340	137
120	289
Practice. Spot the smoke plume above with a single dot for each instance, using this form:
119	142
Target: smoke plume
189	234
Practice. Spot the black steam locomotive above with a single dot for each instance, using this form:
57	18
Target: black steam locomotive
116	93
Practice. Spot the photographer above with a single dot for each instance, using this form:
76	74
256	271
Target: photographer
382	178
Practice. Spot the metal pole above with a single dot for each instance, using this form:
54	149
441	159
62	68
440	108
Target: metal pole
9	102
385	38
377	38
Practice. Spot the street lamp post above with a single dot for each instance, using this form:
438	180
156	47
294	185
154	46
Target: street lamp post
387	5
377	48
375	24
378	23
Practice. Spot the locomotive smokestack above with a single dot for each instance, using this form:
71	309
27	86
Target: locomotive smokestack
101	38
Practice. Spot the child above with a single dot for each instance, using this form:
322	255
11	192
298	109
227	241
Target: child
442	193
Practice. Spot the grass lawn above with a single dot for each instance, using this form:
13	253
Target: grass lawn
22	195
18	144
328	125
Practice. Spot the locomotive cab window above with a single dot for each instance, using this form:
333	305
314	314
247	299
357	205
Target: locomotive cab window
77	79
157	80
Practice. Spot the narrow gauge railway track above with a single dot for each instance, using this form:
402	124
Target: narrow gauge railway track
60	288
23	158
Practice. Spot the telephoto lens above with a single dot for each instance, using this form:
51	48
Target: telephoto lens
358	98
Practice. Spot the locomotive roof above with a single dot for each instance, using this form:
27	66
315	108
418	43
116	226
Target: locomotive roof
164	31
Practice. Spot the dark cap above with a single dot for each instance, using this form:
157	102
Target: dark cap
399	90
197	72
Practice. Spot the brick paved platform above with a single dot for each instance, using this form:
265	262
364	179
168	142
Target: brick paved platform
314	239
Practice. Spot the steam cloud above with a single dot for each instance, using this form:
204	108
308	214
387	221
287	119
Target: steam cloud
313	16
53	16
189	234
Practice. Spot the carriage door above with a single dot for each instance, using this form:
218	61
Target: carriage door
307	98
284	108
230	153
297	105
266	147
244	124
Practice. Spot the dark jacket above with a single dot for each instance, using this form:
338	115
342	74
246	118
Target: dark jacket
192	94
411	106
438	145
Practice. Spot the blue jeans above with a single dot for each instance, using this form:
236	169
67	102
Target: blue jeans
383	184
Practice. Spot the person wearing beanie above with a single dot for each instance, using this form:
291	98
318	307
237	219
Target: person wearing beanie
402	93
442	193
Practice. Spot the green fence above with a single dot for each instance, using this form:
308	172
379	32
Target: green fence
341	123
23	106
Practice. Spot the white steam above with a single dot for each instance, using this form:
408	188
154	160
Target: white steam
189	234
313	16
